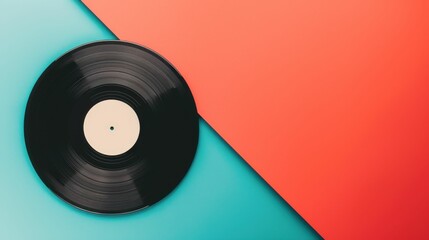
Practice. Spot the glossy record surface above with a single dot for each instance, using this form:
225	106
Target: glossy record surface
92	73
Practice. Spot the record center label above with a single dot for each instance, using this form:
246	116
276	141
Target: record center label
111	127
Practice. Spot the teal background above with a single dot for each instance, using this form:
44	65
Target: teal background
221	197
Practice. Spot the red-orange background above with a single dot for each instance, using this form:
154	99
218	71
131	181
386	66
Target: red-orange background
327	100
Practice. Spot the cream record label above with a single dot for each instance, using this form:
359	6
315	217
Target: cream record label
111	127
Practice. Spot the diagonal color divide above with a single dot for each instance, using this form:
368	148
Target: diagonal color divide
221	197
327	101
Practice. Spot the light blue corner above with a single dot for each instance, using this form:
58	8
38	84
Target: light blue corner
220	198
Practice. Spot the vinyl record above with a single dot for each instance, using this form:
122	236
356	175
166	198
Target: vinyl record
111	127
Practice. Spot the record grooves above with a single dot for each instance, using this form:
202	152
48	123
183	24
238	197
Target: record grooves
64	158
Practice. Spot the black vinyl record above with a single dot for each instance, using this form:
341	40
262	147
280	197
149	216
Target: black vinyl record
60	152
